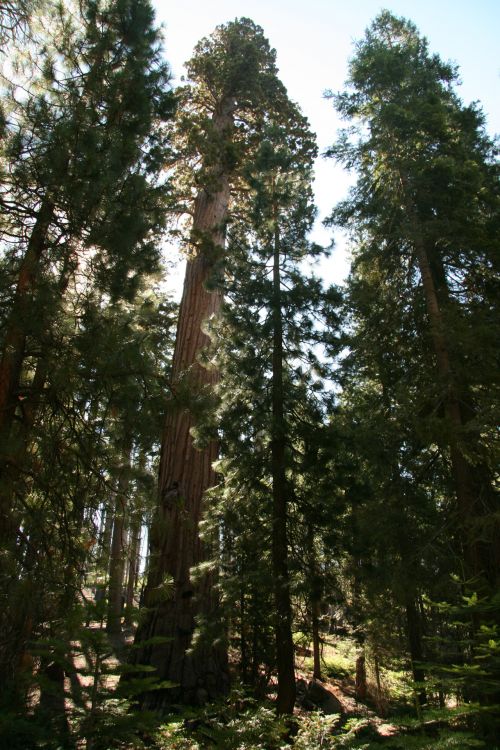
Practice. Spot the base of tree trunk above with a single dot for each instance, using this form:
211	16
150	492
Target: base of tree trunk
198	671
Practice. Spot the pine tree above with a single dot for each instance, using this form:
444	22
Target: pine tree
420	373
105	96
83	204
15	16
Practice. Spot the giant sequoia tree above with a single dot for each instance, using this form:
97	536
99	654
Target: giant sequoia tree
234	84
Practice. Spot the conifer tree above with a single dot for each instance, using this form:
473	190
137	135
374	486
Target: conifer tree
425	210
15	16
267	337
104	93
83	203
423	217
234	86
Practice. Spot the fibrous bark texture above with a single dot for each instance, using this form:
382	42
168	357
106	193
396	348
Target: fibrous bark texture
186	472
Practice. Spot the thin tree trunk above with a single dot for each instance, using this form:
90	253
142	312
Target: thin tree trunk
361	688
133	563
415	642
117	558
243	631
315	615
376	667
185	474
102	526
134	550
283	615
254	675
315	603
105	546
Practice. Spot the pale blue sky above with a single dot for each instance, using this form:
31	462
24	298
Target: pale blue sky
313	40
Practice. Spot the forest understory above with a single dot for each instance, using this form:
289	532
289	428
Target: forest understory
92	710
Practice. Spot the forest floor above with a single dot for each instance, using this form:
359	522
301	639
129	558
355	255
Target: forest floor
96	661
343	694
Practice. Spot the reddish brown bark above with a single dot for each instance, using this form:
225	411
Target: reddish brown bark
481	559
18	323
361	688
186	473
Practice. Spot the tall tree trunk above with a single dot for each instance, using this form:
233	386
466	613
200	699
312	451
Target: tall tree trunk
105	543
117	557
475	502
186	473
361	688
134	549
315	615
283	615
52	706
376	669
480	558
243	636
